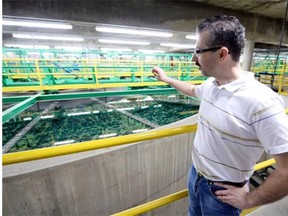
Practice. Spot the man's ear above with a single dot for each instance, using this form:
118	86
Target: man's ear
224	52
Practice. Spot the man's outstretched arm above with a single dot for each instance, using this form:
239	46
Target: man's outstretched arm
184	87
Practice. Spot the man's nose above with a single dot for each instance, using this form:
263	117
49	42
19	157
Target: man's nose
194	58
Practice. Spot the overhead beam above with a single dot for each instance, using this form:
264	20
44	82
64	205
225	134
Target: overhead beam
18	108
81	95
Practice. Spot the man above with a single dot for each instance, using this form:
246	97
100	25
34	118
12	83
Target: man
239	118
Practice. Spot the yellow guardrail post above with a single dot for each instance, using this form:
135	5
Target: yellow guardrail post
113	67
281	79
39	75
96	73
142	71
179	70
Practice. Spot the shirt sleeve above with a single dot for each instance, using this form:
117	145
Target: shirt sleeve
198	91
200	88
271	126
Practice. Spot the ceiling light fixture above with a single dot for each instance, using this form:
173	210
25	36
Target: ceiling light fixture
124	42
133	31
191	36
151	51
27	46
35	24
116	49
47	37
68	48
184	46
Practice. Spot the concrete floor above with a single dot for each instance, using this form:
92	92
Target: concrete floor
279	208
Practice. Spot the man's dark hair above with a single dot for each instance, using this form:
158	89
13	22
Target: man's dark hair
225	31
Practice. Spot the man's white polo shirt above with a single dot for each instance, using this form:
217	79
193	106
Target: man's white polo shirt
237	122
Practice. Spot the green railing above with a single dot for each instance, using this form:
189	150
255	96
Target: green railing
93	69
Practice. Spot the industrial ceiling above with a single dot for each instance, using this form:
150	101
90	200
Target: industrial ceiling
91	39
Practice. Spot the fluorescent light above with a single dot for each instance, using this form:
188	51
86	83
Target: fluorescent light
41	47
123	42
139	130
79	113
133	31
172	96
178	45
127	108
69	48
47	37
192	37
151	51
159	105
64	142
107	135
53	25
116	49
26	46
120	101
148	98
47	117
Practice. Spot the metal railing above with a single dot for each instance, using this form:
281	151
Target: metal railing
22	74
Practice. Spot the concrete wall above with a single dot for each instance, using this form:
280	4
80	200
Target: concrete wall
101	182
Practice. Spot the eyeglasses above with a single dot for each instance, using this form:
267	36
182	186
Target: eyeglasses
198	51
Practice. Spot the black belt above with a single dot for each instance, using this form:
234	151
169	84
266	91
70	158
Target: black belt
236	184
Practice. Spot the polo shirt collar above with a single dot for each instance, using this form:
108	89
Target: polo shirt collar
236	84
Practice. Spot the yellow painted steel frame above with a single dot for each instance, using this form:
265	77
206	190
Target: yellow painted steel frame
107	70
282	81
86	86
176	196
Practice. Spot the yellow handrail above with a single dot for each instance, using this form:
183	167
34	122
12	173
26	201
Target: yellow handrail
264	164
176	196
18	157
24	156
154	204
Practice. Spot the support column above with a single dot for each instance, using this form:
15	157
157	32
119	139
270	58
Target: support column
248	55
